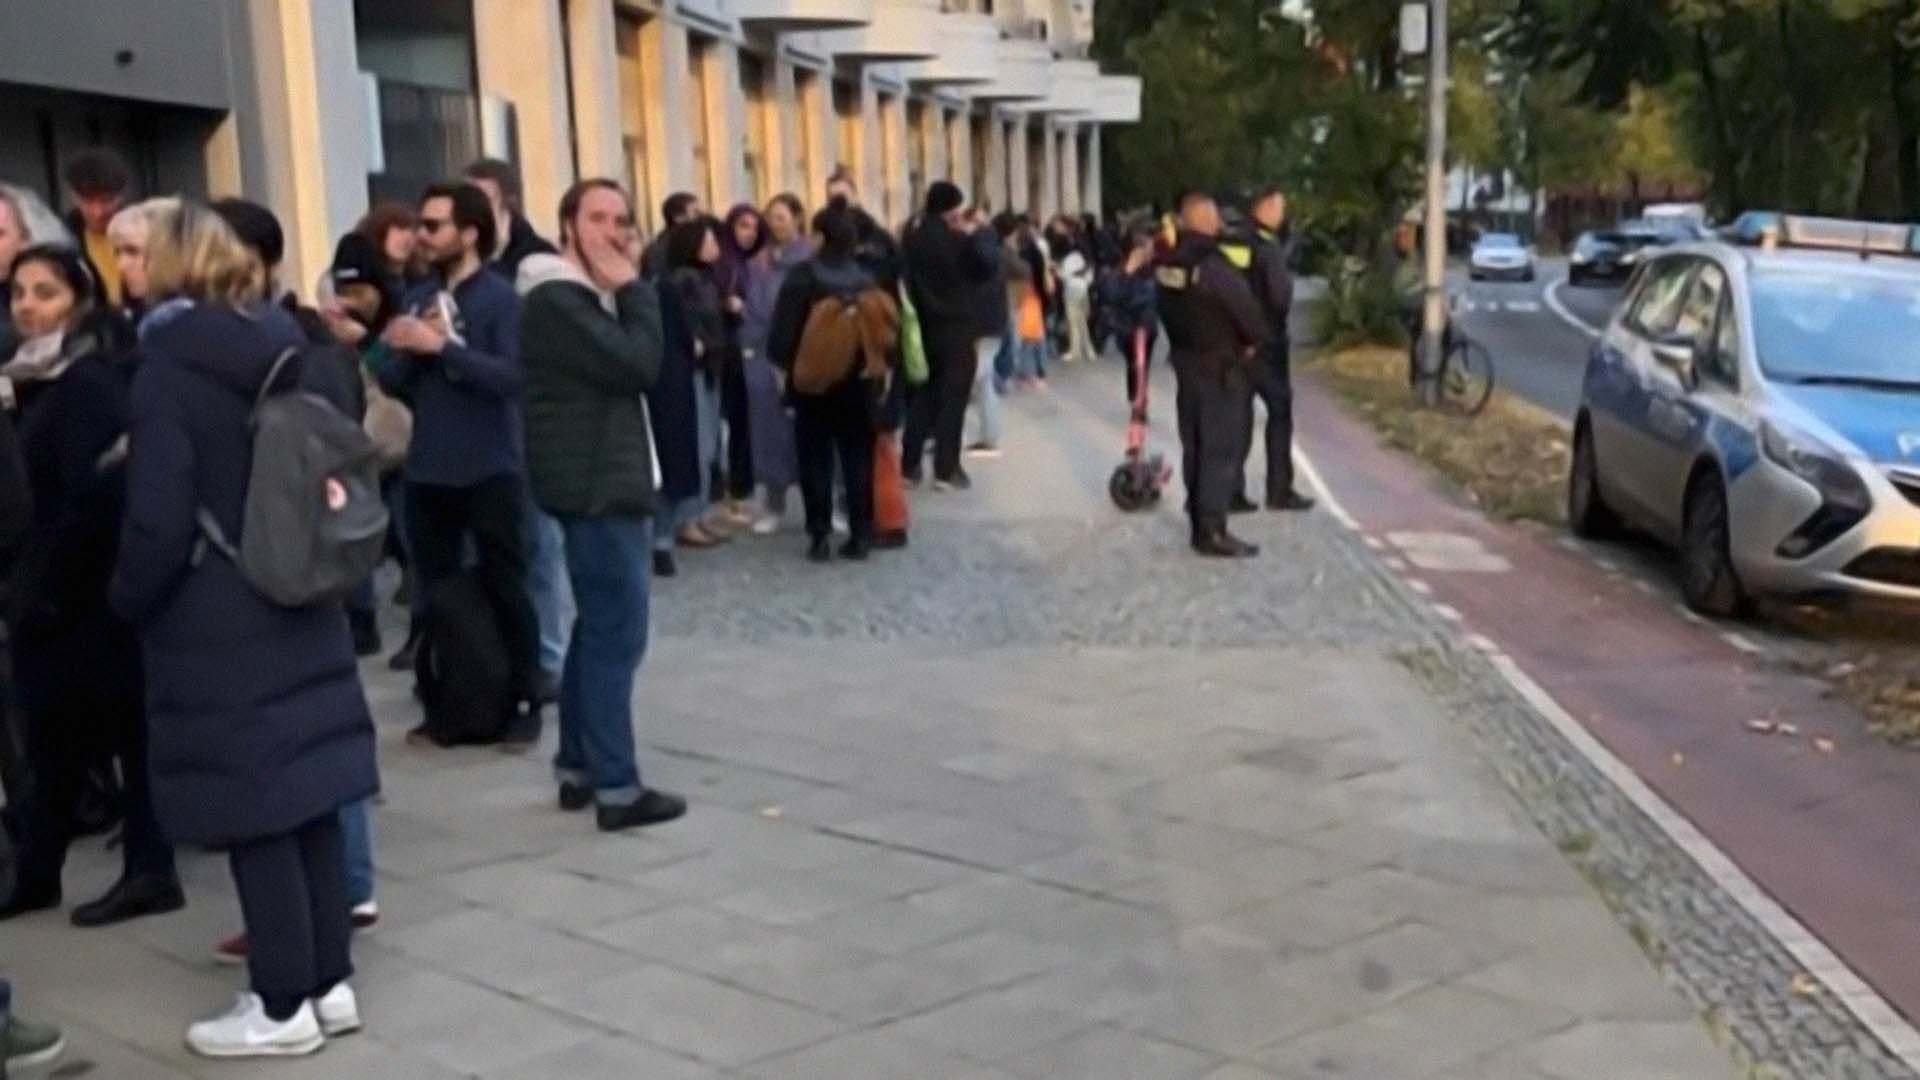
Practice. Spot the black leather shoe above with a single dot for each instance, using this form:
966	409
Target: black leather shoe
856	550
663	564
522	733
820	550
1291	502
1224	545
575	797
653	808
1241	505
366	633
130	898
547	688
26	901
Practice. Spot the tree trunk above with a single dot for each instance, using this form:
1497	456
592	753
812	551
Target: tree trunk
1727	165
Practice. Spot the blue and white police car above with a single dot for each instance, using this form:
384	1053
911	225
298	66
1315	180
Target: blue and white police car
1759	409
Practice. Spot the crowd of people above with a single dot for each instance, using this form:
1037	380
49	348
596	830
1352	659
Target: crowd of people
553	424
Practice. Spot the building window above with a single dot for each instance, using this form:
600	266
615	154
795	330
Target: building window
757	139
805	166
916	151
699	63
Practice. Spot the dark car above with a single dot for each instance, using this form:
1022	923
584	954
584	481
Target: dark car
1610	255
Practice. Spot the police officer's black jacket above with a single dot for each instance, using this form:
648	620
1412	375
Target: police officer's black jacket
1213	320
1264	258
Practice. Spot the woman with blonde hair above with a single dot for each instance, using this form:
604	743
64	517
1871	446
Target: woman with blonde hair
128	231
260	730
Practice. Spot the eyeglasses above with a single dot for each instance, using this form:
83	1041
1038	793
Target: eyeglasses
431	225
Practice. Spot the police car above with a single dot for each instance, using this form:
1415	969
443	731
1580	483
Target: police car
1759	409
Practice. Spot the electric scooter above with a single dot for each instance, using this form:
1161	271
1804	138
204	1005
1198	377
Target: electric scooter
1140	478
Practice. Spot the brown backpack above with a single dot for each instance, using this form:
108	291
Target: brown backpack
842	332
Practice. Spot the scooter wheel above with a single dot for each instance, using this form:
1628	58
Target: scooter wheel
1131	489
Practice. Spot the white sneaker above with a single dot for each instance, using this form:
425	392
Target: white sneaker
766	524
247	1031
338	1010
365	915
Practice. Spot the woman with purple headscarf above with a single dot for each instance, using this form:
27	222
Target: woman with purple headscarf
774	463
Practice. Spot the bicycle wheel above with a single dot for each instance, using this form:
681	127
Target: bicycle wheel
1466	384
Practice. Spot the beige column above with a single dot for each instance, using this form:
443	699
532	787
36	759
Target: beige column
1019	186
785	164
307	62
821	136
670	112
1070	169
935	136
871	149
594	53
1049	171
960	152
1091	199
523	58
995	182
726	126
893	116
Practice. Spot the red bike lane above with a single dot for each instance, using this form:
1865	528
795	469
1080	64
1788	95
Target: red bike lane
1824	821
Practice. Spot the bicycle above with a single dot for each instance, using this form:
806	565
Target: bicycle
1466	376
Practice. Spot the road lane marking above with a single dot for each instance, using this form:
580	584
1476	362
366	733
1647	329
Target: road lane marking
1449	553
1448	612
1523	307
1559	307
1327	498
1743	643
1867	1006
1419	586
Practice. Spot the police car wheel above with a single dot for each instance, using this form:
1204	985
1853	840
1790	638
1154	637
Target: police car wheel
1707	577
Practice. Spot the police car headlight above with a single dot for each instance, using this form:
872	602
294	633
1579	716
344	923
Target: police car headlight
1630	258
1844	498
1581	258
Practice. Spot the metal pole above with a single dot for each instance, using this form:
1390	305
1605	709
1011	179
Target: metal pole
1436	314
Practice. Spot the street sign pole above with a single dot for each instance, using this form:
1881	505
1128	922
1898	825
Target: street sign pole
1436	297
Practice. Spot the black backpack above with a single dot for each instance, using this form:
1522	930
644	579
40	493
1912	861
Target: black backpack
314	526
462	665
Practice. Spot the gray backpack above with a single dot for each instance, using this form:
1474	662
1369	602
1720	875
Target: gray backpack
314	526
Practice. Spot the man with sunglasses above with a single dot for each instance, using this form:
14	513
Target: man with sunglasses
457	342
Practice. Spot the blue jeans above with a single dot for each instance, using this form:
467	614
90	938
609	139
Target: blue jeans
607	558
1030	359
356	840
547	585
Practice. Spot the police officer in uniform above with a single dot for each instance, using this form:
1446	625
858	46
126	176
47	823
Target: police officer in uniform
1216	331
1259	251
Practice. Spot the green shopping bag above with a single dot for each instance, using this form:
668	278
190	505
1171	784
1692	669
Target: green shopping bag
913	350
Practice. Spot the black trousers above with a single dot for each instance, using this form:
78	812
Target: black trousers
492	513
939	409
733	407
837	424
64	739
1274	386
293	899
1216	426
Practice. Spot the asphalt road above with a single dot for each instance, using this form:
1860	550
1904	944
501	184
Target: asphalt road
1535	331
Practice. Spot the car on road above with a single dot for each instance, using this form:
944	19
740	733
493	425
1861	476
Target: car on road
1500	255
1759	409
1604	256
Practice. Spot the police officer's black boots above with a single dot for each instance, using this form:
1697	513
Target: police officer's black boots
1218	543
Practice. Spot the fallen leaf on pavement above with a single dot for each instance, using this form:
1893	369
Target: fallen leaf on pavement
1679	759
1804	986
1842	669
772	813
1823	744
1763	727
1789	729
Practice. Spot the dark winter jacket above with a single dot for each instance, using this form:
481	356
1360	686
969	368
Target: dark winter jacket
519	243
589	450
699	299
1126	305
1213	321
670	401
1267	275
948	274
256	718
75	660
466	401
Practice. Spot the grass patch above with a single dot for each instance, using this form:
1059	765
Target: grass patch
1511	460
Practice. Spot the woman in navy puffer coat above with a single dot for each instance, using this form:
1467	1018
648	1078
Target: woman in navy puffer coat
259	726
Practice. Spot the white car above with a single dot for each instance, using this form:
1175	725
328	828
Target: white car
1500	255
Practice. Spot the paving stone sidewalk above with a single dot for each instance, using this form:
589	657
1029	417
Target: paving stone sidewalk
1040	798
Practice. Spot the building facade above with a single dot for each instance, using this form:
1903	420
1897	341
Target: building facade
317	107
